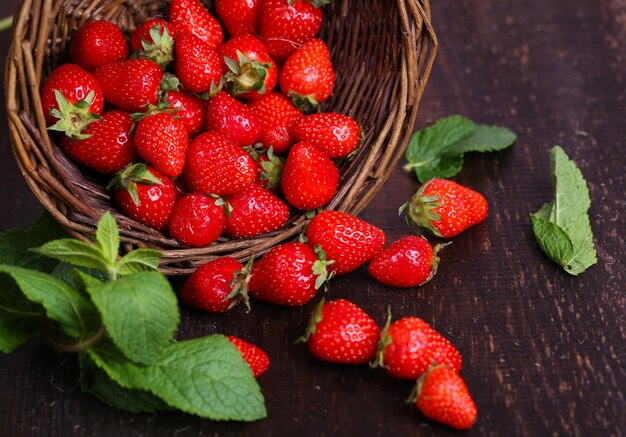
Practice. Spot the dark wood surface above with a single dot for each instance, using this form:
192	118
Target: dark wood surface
544	353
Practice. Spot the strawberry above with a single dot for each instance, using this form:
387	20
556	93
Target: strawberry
189	16
197	65
71	99
442	396
307	76
231	118
284	25
145	195
109	146
277	114
407	262
197	220
271	168
409	346
341	332
255	212
250	72
310	179
347	240
216	165
256	358
131	85
289	274
239	17
446	208
337	135
162	140
217	286
190	109
97	43
154	39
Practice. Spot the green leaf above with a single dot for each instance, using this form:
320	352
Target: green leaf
206	377
108	237
552	240
140	260
20	319
484	139
66	272
75	252
140	312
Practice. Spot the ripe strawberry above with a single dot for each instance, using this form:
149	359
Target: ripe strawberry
197	220
239	17
145	195
442	396
307	76
310	179
407	262
109	146
154	39
409	346
97	43
270	168
162	140
197	65
71	99
256	358
341	332
285	25
216	165
250	72
190	109
290	274
255	212
231	118
131	85
277	114
217	286
347	240
446	208
335	134
189	16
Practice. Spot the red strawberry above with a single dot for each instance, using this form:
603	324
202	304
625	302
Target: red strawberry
271	168
255	212
145	195
446	208
409	346
310	179
162	140
131	85
216	165
97	43
239	17
197	65
407	262
307	76
189	16
442	396
109	146
285	25
254	356
290	274
347	240
197	220
249	70
71	99
334	134
341	332
277	114
231	118
154	39
190	109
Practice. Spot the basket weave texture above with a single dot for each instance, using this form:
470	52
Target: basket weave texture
382	53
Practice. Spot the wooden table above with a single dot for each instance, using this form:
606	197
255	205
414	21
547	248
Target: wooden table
544	352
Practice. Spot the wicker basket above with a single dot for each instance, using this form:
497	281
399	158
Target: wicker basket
382	53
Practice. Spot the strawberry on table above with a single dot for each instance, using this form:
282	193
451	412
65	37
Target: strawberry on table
336	135
277	113
231	118
154	39
197	220
189	16
239	17
190	109
198	65
256	358
97	43
255	212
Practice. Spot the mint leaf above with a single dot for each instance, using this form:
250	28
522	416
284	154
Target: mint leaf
108	237
20	319
206	377
484	139
75	252
139	260
67	273
140	312
552	240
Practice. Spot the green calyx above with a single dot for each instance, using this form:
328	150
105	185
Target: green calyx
320	269
272	170
436	260
239	285
160	50
383	342
73	118
420	210
304	103
245	75
131	175
316	317
228	209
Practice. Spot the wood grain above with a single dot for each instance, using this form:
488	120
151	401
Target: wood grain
544	353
